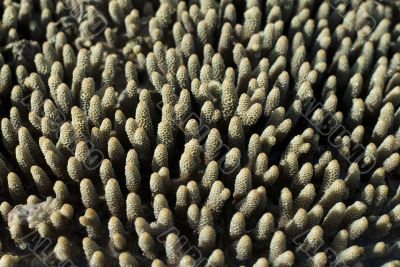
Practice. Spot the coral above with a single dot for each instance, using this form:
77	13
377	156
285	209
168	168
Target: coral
199	133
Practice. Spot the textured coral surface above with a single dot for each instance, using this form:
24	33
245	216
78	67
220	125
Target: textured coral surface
200	133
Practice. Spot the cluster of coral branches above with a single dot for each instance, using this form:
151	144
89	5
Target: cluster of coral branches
199	133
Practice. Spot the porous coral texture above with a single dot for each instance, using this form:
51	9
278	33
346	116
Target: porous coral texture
200	133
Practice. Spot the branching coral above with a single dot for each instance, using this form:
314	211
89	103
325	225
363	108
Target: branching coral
199	133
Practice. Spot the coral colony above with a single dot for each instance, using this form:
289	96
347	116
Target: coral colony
199	133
